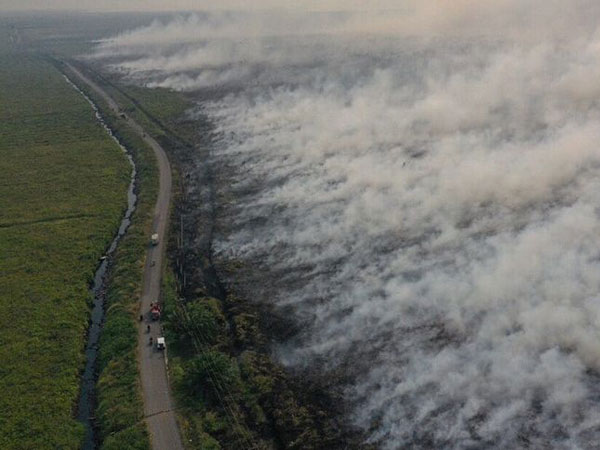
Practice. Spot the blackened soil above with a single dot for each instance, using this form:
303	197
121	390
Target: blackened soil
305	410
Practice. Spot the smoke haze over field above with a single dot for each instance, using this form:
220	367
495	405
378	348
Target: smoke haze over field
428	205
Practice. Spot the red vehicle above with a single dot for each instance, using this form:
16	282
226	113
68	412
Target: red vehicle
155	312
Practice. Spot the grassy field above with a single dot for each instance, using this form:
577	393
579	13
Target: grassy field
59	206
62	194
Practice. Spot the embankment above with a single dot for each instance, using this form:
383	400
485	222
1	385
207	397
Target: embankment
120	408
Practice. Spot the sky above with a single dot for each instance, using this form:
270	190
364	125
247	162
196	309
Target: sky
174	5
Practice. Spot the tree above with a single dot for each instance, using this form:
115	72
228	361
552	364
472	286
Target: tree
211	375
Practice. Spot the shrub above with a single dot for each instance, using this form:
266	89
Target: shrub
210	375
199	321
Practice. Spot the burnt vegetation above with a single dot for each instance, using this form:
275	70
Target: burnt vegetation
231	392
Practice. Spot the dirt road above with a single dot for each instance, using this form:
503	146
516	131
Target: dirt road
158	402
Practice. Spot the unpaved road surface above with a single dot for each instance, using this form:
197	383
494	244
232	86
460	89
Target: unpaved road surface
158	402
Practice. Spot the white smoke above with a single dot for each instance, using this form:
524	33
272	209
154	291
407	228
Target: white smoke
428	204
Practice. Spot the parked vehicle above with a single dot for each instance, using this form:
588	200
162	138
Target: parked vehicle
155	312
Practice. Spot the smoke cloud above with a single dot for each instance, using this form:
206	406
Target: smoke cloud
427	203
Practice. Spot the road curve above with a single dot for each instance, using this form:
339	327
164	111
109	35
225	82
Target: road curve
158	402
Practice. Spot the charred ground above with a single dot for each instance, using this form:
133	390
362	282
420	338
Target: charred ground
269	406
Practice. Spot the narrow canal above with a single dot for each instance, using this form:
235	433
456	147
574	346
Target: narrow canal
87	399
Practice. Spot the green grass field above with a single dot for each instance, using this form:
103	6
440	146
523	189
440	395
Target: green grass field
62	193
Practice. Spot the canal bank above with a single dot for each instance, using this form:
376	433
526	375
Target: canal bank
87	398
119	412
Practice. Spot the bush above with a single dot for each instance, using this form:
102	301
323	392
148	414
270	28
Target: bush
199	321
132	438
202	322
210	376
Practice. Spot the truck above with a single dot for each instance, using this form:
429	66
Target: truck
154	239
155	312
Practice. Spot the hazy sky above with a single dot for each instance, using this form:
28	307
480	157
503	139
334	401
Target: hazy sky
170	5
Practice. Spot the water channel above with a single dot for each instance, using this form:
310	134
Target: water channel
87	398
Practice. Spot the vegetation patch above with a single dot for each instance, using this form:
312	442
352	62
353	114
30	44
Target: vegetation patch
62	195
230	393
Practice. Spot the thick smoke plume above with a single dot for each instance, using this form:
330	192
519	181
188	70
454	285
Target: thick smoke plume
428	203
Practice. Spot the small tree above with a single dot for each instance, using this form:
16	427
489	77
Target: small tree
202	322
211	375
198	321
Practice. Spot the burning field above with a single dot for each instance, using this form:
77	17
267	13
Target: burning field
418	192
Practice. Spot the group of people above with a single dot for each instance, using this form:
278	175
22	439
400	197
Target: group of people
147	326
